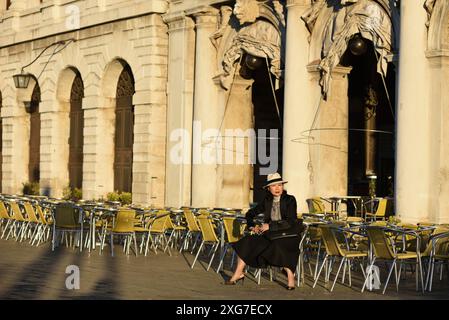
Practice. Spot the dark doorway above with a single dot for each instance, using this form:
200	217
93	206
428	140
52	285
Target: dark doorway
124	132
35	136
266	117
371	123
76	138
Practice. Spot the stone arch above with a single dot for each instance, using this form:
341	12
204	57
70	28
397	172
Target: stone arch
118	88
111	76
438	33
69	94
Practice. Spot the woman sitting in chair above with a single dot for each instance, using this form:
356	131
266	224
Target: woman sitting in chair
276	241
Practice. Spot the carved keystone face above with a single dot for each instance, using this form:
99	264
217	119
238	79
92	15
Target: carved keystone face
246	10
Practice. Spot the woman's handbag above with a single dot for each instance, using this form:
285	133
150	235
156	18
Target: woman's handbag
280	234
284	230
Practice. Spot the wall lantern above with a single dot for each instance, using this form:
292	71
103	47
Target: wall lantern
22	79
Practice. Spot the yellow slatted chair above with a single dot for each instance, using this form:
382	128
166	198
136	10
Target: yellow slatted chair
209	237
19	222
384	250
192	229
32	221
157	227
335	243
43	232
437	251
124	226
380	211
68	218
234	230
4	217
174	231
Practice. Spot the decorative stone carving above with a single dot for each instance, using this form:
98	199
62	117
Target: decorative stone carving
332	23
257	31
246	10
429	6
225	16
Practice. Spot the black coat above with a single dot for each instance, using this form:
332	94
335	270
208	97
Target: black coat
259	251
288	212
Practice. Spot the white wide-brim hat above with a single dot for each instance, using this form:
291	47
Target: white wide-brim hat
274	178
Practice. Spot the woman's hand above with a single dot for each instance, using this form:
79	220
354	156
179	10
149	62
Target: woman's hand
264	227
255	229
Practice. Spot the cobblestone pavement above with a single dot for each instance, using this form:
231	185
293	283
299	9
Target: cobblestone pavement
38	273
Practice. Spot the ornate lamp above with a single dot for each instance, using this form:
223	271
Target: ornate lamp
22	79
253	62
357	45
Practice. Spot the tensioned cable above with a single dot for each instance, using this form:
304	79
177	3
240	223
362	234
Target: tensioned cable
273	92
385	86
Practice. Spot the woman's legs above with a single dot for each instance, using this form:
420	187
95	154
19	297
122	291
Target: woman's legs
239	269
290	277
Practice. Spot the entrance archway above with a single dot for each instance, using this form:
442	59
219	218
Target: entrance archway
76	138
124	131
371	124
35	135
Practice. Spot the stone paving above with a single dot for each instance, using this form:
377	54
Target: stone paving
38	273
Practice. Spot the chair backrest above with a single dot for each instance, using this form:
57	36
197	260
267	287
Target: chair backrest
381	208
315	205
41	214
29	210
380	242
192	225
124	221
329	240
440	243
234	228
67	216
3	211
207	229
159	223
16	213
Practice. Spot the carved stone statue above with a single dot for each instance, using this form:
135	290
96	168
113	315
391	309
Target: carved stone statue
429	5
333	23
225	16
248	34
246	10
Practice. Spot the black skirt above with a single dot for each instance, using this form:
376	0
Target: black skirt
259	252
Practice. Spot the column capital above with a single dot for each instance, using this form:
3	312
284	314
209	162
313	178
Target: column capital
178	21
204	15
300	3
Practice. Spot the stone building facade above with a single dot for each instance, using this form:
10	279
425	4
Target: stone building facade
331	93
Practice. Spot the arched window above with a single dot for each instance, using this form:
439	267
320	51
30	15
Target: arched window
124	135
35	136
76	139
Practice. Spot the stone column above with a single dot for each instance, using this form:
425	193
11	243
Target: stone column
415	191
180	110
329	149
205	113
300	104
235	174
55	131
